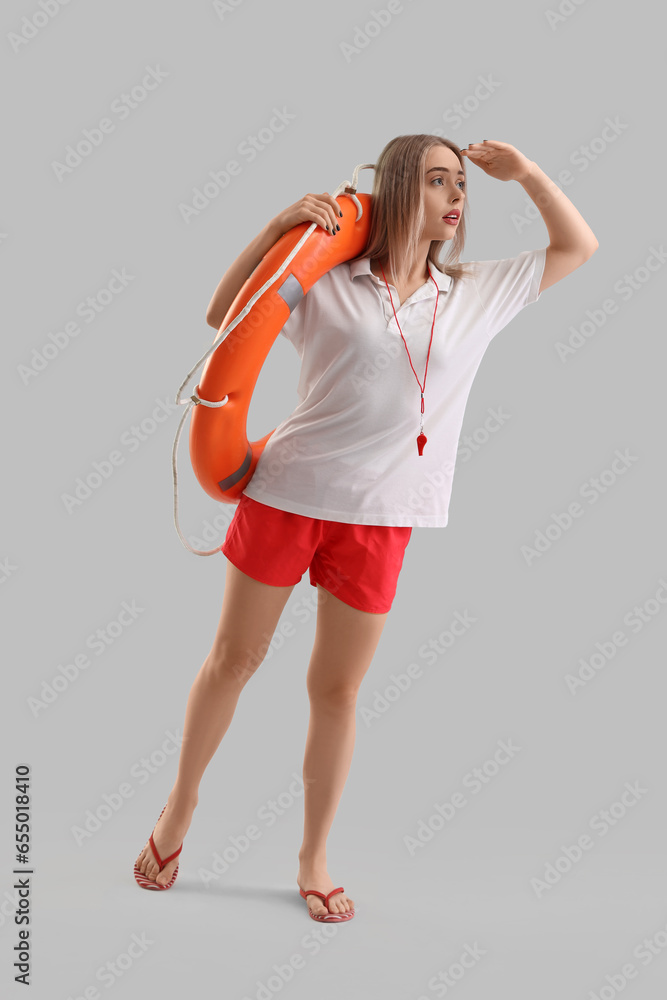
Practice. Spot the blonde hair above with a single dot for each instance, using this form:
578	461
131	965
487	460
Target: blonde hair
397	213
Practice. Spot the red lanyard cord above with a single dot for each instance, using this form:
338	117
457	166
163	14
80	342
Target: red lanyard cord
421	440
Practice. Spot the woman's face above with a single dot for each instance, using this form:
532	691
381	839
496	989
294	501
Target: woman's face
444	192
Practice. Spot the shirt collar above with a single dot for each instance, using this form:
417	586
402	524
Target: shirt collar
363	266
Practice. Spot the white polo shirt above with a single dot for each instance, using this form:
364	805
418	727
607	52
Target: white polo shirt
348	451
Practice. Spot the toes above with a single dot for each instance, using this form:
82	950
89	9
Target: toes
340	903
148	868
145	862
166	874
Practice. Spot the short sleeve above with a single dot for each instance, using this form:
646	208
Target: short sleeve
506	286
293	328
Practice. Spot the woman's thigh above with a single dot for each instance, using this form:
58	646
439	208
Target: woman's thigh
250	613
345	643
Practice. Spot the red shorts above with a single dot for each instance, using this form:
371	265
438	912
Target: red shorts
358	563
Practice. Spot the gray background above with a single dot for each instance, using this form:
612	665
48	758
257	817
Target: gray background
471	885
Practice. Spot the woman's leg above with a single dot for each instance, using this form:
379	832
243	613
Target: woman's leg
345	642
250	613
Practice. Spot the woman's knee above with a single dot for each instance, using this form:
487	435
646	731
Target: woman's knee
335	696
228	664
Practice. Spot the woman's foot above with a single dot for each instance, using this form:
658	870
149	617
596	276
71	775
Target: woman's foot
168	835
315	876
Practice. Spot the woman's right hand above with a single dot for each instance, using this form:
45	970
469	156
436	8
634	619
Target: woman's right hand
320	208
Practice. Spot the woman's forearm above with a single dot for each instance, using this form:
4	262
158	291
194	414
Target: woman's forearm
568	230
237	273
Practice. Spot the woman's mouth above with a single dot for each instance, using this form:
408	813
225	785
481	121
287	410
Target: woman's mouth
452	220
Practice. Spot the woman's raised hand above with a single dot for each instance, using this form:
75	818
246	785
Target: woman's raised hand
320	208
499	159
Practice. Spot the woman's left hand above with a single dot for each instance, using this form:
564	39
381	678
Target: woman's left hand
499	159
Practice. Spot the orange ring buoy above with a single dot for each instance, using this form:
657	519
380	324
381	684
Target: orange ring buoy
222	458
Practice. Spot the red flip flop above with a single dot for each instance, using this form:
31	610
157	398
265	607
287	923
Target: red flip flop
330	917
147	883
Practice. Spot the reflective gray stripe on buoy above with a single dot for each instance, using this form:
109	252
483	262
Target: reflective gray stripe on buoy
291	291
224	484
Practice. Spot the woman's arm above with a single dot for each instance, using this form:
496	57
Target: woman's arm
237	273
572	241
320	208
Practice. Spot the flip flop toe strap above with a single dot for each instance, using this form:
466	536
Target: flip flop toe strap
315	892
332	893
157	856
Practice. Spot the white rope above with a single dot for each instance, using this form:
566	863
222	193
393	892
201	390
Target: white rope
195	398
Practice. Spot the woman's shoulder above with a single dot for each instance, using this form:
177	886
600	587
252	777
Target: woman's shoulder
340	277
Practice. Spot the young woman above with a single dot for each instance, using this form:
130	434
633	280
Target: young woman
344	479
